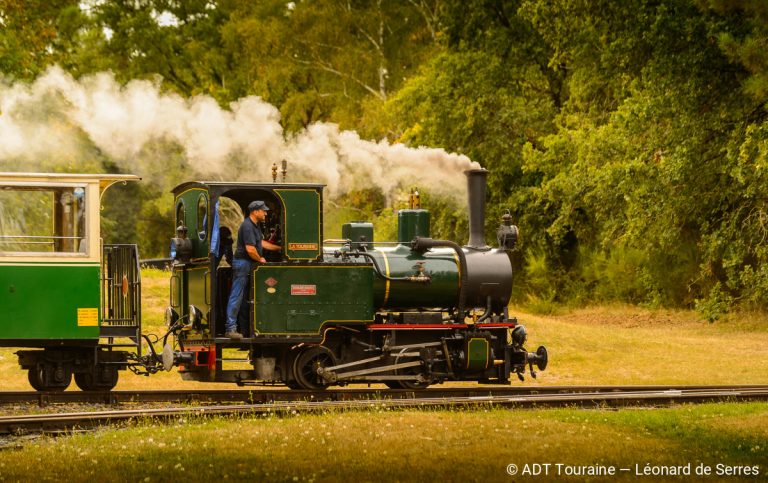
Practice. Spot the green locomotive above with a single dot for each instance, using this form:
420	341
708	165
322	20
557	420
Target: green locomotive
352	310
407	314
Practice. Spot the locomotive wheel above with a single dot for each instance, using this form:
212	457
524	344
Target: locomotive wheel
289	359
413	385
408	371
62	374
306	365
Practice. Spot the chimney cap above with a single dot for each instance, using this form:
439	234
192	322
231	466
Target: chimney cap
476	171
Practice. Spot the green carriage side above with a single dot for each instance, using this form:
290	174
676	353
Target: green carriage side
62	291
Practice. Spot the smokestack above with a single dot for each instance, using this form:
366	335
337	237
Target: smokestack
476	182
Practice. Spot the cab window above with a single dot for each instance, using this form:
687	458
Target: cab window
181	219
202	217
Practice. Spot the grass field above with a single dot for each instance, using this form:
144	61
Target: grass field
628	345
386	445
607	345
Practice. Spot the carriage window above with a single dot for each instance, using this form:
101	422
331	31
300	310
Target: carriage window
202	217
42	219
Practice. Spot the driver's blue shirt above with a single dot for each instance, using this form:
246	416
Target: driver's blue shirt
249	233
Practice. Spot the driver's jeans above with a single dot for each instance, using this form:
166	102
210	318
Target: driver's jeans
237	307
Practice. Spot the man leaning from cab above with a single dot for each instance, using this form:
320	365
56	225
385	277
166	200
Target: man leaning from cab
250	250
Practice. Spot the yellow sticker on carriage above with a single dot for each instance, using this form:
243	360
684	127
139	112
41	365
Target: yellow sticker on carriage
87	317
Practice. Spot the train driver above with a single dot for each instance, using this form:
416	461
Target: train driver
250	249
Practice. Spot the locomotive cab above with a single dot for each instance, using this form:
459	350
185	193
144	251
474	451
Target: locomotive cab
61	291
211	213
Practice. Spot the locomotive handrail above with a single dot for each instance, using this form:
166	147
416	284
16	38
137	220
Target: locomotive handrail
341	241
422	244
22	239
377	269
207	287
388	243
174	282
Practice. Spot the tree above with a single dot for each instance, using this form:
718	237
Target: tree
486	94
35	34
325	60
178	41
643	159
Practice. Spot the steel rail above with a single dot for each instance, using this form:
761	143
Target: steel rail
24	424
270	394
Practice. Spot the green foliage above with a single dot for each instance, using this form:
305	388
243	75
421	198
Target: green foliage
620	134
177	41
477	101
628	139
35	34
539	291
447	220
649	171
716	304
741	34
313	60
155	225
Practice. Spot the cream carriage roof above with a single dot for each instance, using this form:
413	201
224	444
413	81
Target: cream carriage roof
105	180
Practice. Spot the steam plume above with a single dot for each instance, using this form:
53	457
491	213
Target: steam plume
62	124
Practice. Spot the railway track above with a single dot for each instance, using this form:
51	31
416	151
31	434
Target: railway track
554	396
268	394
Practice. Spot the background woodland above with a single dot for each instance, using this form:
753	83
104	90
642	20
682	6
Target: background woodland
628	139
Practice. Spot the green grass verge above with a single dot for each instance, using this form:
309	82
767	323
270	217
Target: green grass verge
413	445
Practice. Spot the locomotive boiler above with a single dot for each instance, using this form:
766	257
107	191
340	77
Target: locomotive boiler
408	313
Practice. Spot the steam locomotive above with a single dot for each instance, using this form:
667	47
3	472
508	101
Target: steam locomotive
407	314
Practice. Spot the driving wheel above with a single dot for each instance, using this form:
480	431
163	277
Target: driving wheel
308	362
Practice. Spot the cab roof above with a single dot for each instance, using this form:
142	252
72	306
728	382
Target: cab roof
224	186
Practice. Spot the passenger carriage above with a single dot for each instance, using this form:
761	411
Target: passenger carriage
70	301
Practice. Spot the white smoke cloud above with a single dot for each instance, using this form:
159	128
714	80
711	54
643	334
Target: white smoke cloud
56	119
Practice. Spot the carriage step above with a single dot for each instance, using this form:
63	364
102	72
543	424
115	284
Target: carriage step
119	331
